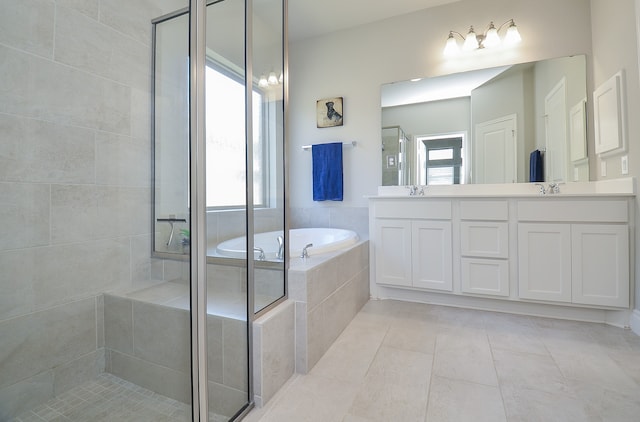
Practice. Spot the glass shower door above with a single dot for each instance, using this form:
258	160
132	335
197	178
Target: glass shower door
228	319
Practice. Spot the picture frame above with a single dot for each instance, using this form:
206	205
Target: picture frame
330	112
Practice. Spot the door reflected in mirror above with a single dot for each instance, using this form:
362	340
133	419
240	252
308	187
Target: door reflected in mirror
499	116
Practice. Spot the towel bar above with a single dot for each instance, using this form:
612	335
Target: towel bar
351	144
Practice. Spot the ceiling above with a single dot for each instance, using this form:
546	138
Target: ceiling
310	18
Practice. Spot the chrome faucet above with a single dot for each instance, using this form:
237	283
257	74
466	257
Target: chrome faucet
305	253
553	188
413	190
261	256
280	254
542	191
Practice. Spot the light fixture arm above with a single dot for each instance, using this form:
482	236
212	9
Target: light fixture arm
502	26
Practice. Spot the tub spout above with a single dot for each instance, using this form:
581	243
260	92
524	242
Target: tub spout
280	254
305	253
261	256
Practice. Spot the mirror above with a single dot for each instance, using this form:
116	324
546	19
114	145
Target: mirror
483	126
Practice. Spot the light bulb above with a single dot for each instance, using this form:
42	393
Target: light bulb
513	35
262	82
451	48
470	42
491	39
273	79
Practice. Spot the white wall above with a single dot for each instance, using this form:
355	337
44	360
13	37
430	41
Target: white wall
615	48
355	63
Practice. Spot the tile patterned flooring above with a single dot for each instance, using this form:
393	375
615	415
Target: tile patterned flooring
407	362
109	399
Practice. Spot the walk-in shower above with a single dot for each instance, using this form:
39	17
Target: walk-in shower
133	134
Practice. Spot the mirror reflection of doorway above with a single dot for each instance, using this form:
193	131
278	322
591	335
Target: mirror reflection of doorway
440	160
495	151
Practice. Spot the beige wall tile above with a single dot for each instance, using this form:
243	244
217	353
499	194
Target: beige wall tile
38	151
76	98
88	7
162	335
277	349
123	211
28	25
235	370
43	340
39	278
118	324
24	212
84	43
215	356
122	161
25	395
165	381
78	371
74	213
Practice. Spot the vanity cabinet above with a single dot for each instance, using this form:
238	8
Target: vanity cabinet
393	252
544	261
484	247
574	252
431	254
600	264
416	249
512	253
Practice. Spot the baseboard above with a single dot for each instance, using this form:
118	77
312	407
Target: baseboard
635	321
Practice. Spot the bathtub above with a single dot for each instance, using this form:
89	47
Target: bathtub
323	239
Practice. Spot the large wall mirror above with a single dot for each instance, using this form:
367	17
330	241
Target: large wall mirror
483	126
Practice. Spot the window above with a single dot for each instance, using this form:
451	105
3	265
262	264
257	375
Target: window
225	134
440	160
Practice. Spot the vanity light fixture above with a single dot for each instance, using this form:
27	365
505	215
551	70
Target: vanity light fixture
489	39
271	80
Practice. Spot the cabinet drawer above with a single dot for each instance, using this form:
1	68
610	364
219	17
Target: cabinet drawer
484	239
485	276
484	210
550	209
415	208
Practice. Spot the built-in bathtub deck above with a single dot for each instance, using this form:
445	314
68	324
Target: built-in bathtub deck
325	293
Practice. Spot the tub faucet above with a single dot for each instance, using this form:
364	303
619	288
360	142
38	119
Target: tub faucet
542	190
261	256
305	253
280	254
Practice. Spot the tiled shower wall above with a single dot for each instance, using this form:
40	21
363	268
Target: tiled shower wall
74	182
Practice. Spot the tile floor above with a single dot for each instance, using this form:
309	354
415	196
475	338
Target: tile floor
111	399
407	362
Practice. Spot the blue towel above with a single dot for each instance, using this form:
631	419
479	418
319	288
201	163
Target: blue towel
536	168
327	172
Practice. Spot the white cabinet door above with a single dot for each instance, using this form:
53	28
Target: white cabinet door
432	255
600	260
393	252
485	276
487	239
544	261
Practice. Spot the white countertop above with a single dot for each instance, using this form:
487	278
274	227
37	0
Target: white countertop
614	187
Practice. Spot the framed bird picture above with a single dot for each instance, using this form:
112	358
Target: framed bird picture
329	112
